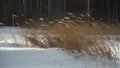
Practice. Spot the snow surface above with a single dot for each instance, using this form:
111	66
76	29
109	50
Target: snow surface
50	58
15	57
9	35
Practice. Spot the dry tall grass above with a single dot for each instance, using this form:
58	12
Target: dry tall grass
79	33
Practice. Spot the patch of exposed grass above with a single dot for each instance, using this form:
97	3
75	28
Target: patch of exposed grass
78	32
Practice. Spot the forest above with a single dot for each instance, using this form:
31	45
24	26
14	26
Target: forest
22	10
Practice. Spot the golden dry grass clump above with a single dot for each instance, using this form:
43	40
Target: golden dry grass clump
81	33
77	38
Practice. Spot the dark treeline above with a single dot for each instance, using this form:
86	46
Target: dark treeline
12	11
106	9
22	10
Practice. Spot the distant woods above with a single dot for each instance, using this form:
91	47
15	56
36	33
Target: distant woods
12	11
106	9
22	10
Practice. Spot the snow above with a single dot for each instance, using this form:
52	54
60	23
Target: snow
50	58
10	35
21	57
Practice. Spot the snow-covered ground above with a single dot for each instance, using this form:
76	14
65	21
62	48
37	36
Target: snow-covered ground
17	57
50	58
10	35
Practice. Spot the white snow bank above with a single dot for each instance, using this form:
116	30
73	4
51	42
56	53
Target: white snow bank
50	58
18	49
11	35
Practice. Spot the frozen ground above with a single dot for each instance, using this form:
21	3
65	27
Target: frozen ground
15	57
